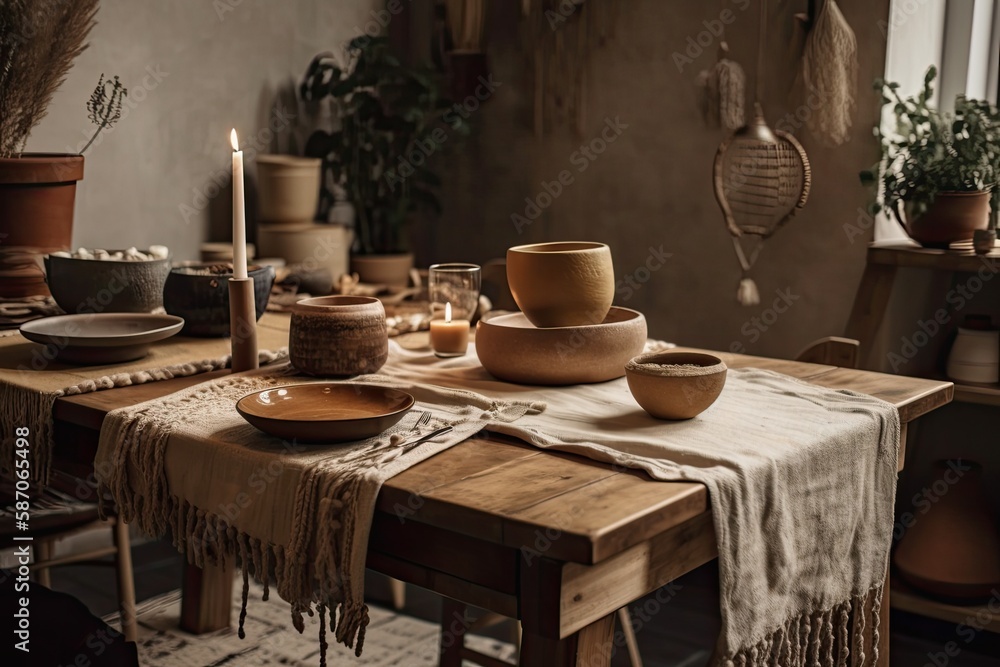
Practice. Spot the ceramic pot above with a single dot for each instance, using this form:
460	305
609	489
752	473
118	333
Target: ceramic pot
202	298
338	336
952	549
675	385
953	216
37	195
217	252
984	240
288	187
562	284
391	270
313	245
106	286
512	349
975	354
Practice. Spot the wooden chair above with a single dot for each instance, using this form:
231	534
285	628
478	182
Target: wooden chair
55	515
832	351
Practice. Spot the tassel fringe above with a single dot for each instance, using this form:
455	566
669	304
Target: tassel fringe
818	639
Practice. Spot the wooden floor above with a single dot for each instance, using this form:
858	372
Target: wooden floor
676	633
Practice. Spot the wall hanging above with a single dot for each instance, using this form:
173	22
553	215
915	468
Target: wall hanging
762	178
829	72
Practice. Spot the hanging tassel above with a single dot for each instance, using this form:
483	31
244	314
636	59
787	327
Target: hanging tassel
829	72
723	92
747	294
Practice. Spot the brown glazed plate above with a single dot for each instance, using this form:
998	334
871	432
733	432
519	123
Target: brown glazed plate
101	338
325	413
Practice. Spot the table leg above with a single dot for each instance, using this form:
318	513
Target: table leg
207	598
590	647
453	629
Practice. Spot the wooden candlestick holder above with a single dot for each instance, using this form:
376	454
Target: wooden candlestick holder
242	324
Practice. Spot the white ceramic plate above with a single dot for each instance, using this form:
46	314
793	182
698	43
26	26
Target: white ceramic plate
101	338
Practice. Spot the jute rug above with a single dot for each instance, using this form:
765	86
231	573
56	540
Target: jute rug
393	640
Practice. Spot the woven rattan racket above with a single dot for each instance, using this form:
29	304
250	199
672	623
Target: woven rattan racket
762	178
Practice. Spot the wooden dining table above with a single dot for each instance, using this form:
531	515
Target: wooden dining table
557	541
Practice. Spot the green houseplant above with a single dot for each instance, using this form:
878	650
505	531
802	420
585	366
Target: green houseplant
39	39
392	120
937	171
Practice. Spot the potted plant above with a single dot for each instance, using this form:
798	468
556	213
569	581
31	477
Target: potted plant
392	120
39	39
938	171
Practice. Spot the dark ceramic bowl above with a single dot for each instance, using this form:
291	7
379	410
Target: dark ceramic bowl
106	286
202	299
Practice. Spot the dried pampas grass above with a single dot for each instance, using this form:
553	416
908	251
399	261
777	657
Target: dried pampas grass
39	39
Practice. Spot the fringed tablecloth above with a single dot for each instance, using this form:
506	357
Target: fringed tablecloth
31	381
801	479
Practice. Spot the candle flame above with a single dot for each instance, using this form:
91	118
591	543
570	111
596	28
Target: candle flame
447	312
233	140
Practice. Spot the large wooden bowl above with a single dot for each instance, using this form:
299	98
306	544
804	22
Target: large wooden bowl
563	284
513	349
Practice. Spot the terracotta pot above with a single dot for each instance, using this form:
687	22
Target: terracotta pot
675	385
391	270
562	284
952	549
338	336
288	187
953	216
37	195
313	245
202	299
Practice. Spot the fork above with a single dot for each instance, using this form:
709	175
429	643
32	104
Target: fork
424	420
425	438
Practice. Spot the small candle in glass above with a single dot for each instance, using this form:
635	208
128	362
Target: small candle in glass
449	338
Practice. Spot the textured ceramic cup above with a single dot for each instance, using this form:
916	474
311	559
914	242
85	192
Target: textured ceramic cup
675	385
562	284
338	336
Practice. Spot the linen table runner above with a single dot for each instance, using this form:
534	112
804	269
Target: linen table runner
31	381
802	482
190	465
801	479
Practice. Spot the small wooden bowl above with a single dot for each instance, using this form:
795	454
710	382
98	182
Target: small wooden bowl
675	385
338	336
